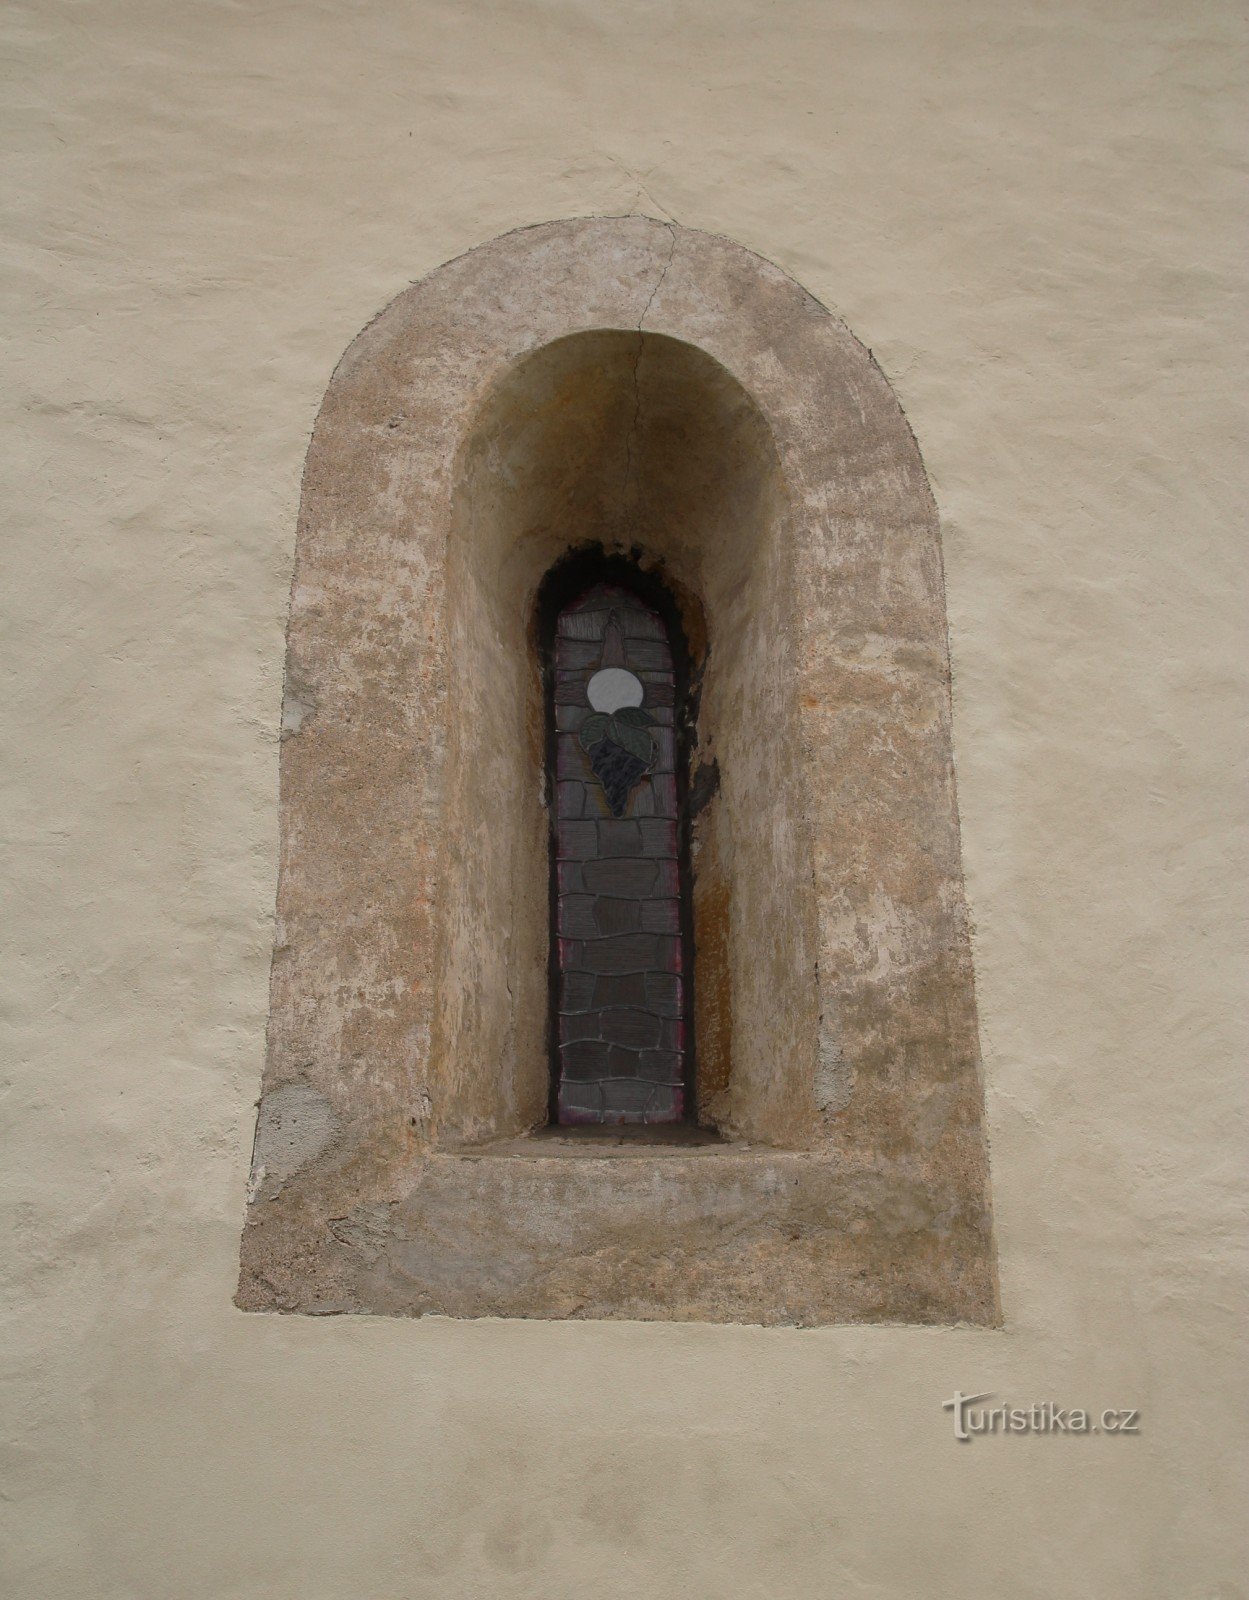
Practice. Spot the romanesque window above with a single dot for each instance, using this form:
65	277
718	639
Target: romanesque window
617	787
620	947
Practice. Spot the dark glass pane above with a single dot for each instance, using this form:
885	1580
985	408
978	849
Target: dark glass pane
620	953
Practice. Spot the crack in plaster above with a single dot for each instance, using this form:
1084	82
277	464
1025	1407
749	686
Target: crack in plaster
637	363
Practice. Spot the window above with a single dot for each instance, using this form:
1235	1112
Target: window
620	947
559	460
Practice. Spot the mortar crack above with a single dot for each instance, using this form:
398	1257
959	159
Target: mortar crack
637	363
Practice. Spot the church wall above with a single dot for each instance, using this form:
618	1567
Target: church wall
1028	215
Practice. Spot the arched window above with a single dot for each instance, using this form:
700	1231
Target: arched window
617	723
622	957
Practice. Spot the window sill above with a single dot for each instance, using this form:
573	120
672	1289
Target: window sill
607	1143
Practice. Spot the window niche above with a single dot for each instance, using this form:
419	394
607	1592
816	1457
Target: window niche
565	444
663	468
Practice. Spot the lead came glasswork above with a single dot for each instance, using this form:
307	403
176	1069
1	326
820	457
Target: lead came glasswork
620	955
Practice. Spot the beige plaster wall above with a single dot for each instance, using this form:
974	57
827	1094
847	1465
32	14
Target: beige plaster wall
1029	213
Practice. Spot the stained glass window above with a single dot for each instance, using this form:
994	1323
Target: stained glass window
620	955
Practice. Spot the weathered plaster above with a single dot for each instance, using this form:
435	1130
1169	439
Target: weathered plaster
1032	215
664	392
294	1126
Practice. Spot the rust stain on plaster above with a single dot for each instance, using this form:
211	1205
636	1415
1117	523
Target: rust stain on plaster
712	995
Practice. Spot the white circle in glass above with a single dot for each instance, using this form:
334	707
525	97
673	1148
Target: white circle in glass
613	688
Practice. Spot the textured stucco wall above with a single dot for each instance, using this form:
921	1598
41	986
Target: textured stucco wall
1029	214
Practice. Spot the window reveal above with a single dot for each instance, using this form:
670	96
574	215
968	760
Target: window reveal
621	962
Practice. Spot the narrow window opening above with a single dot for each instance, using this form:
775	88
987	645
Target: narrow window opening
616	670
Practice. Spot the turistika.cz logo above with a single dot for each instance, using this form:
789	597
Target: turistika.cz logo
1043	1417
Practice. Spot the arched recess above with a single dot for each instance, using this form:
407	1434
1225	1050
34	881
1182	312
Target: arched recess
646	445
650	390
